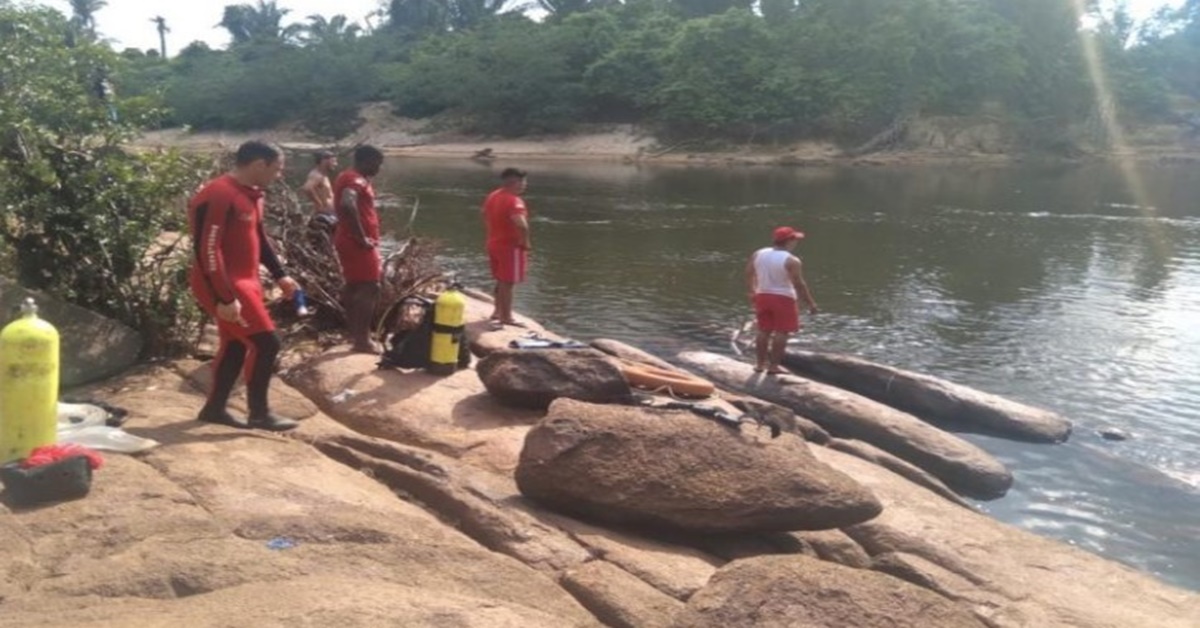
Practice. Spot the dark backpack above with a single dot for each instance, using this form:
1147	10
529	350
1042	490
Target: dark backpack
410	348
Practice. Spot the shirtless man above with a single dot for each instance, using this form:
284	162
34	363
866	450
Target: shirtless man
320	191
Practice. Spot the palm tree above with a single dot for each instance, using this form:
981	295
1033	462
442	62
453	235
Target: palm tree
467	14
161	25
336	29
85	14
246	22
417	17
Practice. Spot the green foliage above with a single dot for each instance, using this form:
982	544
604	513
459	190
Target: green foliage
719	69
80	213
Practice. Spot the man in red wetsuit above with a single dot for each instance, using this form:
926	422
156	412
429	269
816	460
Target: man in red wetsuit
226	222
356	240
507	221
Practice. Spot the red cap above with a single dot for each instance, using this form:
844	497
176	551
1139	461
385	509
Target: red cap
787	234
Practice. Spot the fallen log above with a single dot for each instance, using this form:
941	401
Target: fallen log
965	468
949	405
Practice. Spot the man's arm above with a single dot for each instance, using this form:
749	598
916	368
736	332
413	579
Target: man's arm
212	218
522	224
310	189
348	212
751	277
796	272
267	256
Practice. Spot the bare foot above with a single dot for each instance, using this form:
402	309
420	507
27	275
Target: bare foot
515	323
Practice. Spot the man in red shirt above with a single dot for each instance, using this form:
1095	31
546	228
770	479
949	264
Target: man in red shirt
226	222
507	221
356	240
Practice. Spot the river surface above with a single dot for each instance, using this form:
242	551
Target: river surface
1072	288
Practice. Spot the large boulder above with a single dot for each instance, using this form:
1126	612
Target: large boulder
91	347
954	406
673	470
801	592
965	468
533	378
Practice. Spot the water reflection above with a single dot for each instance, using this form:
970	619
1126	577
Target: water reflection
1050	285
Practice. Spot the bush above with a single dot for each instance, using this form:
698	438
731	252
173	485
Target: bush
82	216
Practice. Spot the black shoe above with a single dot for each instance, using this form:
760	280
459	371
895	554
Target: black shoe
219	418
272	423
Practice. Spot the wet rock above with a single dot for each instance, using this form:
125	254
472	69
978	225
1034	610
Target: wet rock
1114	433
787	591
534	378
965	468
670	470
953	406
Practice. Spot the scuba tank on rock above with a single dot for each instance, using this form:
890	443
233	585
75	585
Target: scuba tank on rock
449	332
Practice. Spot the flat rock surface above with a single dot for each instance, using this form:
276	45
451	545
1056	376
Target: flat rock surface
453	415
801	592
1006	575
180	534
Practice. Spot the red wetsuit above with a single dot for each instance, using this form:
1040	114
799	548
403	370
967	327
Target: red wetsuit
228	245
508	258
359	264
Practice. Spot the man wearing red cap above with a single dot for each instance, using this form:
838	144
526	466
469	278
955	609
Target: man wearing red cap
775	278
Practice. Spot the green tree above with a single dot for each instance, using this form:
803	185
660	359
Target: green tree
84	14
80	215
262	23
334	30
160	25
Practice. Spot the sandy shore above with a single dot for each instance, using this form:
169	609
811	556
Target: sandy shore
949	142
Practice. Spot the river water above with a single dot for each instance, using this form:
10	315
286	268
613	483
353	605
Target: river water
1072	288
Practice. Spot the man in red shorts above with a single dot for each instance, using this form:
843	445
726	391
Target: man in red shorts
776	278
229	244
507	221
356	240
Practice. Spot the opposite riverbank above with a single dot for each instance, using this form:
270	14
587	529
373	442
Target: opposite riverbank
935	140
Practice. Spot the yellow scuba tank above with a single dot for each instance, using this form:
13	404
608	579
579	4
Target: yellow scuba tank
28	384
449	323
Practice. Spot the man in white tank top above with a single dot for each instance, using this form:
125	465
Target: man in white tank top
776	279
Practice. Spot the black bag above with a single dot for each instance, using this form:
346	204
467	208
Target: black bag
409	348
67	479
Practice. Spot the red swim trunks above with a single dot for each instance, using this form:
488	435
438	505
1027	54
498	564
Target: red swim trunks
509	263
776	313
359	264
